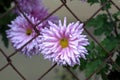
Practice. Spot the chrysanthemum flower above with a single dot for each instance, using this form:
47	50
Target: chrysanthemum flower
29	5
64	44
37	9
21	31
42	13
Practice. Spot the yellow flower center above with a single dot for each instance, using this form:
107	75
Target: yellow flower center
28	31
64	43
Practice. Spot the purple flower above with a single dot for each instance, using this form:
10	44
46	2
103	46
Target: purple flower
83	0
29	5
37	9
64	44
42	13
21	31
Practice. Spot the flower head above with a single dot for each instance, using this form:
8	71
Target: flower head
64	44
42	13
29	5
36	9
21	31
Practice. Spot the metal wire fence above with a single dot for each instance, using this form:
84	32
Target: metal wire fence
63	4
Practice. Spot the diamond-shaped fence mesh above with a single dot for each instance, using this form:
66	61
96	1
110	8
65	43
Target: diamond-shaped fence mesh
10	58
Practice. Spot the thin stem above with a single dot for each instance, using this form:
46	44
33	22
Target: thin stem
47	71
113	23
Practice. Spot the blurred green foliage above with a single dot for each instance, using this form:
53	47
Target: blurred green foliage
105	24
5	19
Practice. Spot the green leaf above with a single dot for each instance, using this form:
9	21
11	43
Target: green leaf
4	36
101	53
99	31
106	28
104	72
3	27
91	46
6	19
92	66
107	6
92	51
101	25
118	60
92	1
110	43
116	16
83	64
98	21
116	67
91	23
75	67
5	40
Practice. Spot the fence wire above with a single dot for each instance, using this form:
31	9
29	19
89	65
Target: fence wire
63	4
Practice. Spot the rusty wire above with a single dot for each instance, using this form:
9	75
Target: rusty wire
63	3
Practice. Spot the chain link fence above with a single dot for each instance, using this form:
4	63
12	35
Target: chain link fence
10	63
